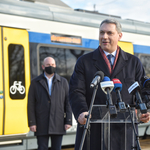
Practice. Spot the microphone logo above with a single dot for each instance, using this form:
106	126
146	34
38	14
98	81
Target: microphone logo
133	86
108	84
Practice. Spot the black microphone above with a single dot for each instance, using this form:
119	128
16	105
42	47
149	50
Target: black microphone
107	86
146	91
117	88
134	89
99	75
147	101
145	82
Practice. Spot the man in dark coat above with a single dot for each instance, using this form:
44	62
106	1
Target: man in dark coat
49	111
125	67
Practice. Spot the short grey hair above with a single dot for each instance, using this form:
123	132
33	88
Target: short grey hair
113	21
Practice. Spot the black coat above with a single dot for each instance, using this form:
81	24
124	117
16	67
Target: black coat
128	69
49	113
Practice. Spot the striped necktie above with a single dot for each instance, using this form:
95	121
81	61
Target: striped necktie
109	58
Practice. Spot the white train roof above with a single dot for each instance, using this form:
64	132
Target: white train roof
63	13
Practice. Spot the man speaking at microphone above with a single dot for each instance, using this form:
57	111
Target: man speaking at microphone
114	63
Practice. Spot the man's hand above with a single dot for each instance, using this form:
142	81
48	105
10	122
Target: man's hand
81	118
33	128
67	126
144	117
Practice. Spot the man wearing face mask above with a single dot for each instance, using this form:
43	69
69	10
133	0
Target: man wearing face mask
49	112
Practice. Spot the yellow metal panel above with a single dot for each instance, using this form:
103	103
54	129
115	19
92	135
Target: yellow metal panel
1	86
126	46
16	110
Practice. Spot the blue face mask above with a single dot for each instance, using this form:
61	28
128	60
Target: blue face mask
50	70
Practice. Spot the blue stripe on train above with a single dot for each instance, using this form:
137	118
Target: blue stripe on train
141	49
45	39
86	43
39	37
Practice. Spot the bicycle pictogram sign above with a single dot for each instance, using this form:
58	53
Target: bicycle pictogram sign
17	87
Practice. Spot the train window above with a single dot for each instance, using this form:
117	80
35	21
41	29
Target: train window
16	71
146	63
65	58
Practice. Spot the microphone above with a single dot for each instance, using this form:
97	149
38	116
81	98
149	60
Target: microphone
117	89
134	89
99	75
147	101
107	86
145	82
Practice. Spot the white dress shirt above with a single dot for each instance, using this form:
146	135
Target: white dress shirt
49	81
113	55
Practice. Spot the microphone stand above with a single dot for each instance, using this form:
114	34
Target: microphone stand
136	135
86	126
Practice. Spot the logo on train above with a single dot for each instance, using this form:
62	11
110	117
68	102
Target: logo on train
17	87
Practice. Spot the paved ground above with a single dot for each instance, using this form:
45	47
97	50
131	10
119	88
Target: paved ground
145	144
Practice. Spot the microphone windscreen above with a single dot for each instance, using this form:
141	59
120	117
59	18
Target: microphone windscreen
145	82
106	79
117	84
99	73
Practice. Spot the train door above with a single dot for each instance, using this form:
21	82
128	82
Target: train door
126	46
1	88
14	81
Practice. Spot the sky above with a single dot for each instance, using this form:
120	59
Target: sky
126	9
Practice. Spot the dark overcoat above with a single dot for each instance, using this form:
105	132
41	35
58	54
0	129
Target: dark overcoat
128	69
49	113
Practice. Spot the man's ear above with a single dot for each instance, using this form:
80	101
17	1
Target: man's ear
43	67
120	36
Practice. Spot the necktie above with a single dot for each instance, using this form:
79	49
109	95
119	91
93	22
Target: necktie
109	58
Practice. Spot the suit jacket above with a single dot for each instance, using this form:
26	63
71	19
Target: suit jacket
49	112
128	69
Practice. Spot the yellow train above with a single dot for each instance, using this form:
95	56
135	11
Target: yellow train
31	31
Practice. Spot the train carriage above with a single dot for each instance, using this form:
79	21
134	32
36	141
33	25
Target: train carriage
29	32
